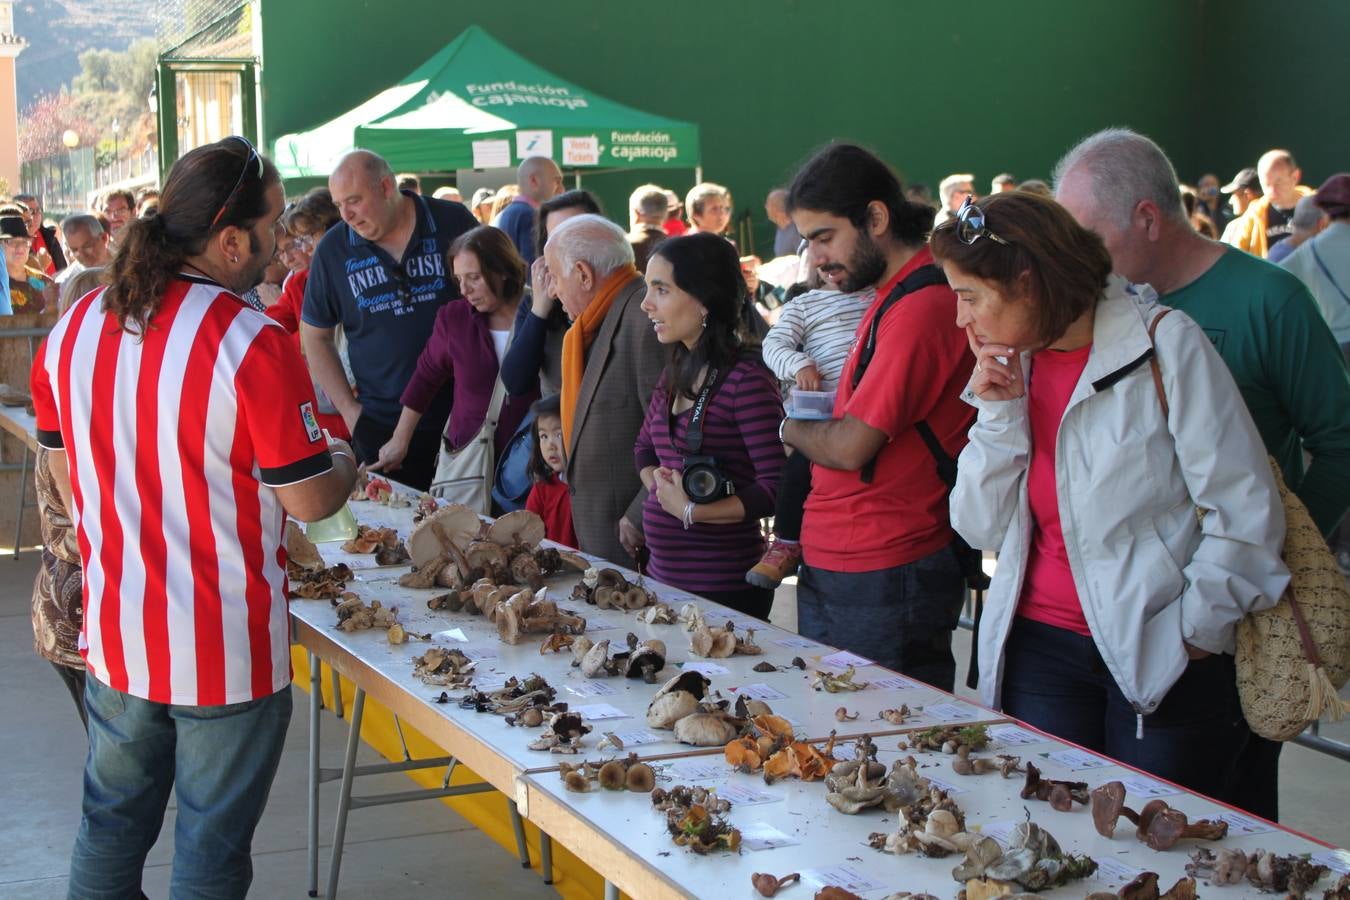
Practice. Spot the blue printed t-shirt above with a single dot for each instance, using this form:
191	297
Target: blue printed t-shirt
386	308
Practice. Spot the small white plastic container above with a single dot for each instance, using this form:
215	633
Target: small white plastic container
810	404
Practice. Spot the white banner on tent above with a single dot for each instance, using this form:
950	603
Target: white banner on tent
534	143
581	151
491	154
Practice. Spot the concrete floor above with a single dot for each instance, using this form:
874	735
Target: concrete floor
395	852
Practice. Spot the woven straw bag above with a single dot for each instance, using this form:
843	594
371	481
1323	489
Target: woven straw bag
1294	657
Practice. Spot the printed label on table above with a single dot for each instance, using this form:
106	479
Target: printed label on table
638	738
698	770
1240	824
798	643
453	634
947	786
1077	760
1139	786
894	683
596	711
1012	735
846	877
843	659
999	831
478	654
1112	870
949	712
760	692
360	561
707	668
763	836
1335	860
590	689
599	625
741	795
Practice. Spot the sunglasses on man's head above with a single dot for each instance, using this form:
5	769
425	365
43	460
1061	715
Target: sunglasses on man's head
970	225
248	165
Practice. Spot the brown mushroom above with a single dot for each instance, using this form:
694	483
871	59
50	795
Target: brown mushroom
768	885
1061	795
640	779
1160	826
1108	805
612	775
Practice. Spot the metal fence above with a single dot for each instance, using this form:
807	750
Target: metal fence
69	182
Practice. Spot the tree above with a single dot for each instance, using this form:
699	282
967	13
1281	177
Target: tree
96	71
134	70
43	124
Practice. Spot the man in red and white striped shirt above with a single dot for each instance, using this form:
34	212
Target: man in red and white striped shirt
182	430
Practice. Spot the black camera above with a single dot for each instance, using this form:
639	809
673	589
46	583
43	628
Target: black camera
703	482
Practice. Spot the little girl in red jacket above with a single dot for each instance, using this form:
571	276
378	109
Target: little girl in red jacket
549	498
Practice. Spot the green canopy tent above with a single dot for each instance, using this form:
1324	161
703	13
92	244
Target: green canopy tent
477	104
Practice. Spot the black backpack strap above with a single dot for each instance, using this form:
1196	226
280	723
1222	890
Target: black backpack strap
946	466
922	277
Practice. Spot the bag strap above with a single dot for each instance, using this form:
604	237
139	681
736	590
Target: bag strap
1304	632
946	466
1153	362
1317	258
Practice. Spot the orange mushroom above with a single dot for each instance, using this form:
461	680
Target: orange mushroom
743	755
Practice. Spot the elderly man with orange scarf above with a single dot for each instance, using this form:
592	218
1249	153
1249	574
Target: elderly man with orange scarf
611	360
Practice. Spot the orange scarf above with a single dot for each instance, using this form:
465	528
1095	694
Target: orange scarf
577	344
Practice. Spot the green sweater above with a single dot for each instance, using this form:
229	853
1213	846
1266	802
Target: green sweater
1289	369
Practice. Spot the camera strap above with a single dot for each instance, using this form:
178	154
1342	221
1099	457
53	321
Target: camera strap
693	435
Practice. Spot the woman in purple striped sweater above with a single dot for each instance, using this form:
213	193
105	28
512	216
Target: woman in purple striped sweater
704	543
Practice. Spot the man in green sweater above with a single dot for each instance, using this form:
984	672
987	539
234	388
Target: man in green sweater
1264	324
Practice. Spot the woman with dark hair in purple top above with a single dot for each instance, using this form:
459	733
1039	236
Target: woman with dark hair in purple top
708	451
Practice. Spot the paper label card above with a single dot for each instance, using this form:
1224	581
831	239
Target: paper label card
1112	870
707	668
947	786
598	711
1077	760
1139	786
698	769
1012	735
534	143
590	689
949	712
1335	860
453	634
478	654
763	836
491	154
740	795
843	659
1240	824
894	683
599	625
761	692
638	738
798	643
846	877
999	831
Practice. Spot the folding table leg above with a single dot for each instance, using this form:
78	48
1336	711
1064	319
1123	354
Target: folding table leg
312	810
337	692
519	827
345	796
611	892
546	857
23	496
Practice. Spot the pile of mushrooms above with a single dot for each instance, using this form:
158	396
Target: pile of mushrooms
317	584
354	615
527	703
965	764
1033	861
608	589
1291	875
451	548
720	643
444	666
1157	824
614	775
1061	795
769	745
383	542
947	738
696	819
684	706
1145	887
642	659
837	682
528	613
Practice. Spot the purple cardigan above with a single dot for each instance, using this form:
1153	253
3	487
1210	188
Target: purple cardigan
460	354
740	429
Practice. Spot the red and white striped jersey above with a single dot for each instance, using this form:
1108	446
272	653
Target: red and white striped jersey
175	443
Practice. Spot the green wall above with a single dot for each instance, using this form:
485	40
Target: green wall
982	86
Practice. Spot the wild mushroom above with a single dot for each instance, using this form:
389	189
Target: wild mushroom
519	526
676	699
835	682
640	779
456	525
595	664
648	658
580	647
896	716
843	715
1061	795
657	614
704	730
1108	805
612	775
712	644
768	885
1160	826
965	764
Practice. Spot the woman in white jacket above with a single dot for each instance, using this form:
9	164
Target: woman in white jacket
1111	616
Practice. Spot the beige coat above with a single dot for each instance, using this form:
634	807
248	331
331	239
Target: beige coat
622	367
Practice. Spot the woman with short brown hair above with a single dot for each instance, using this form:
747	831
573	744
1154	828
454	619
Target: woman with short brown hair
1111	616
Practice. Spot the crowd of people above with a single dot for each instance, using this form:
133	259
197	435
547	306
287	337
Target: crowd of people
1044	371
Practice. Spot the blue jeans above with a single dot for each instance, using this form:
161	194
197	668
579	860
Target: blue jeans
220	760
1055	679
902	617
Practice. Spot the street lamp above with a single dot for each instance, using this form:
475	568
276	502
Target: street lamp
70	138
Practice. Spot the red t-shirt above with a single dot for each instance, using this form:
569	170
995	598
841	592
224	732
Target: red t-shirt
551	501
177	439
1048	592
921	364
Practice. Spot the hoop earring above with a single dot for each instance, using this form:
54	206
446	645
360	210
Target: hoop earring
234	259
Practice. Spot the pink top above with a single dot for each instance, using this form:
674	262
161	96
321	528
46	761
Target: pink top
1048	593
